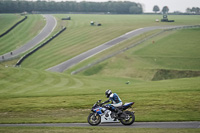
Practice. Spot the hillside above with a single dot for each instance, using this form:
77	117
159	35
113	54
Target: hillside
34	96
29	94
7	21
16	38
170	53
80	36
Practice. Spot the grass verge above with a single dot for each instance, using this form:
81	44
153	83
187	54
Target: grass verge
16	38
91	130
8	20
33	96
80	36
171	52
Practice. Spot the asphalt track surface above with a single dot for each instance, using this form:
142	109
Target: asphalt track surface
114	125
46	31
69	63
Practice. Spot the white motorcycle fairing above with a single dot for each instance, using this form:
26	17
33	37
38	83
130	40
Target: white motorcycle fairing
106	117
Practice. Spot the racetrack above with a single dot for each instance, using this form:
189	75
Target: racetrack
69	63
46	31
115	125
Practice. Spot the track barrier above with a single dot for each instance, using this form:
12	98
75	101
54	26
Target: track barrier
40	46
6	32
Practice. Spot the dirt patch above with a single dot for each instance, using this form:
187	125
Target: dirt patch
163	74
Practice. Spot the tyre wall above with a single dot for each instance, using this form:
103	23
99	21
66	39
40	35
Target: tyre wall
40	46
6	32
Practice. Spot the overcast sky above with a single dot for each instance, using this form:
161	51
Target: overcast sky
174	5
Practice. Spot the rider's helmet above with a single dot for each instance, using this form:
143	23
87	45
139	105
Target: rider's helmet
108	93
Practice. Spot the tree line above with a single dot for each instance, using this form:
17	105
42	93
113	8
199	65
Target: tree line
18	6
193	10
156	9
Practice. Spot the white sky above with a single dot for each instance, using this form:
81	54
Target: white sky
174	5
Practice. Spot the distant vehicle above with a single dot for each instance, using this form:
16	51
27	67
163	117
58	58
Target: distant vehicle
67	18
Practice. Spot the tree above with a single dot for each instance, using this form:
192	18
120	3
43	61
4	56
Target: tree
135	10
193	9
12	6
197	10
156	9
165	9
188	10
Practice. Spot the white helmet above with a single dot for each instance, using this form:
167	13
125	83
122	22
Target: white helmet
108	93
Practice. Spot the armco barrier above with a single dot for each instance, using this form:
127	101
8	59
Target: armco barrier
130	46
13	27
37	48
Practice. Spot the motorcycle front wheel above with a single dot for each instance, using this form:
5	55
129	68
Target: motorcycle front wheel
129	118
94	119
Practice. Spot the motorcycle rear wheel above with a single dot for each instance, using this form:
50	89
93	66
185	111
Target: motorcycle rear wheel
129	119
94	120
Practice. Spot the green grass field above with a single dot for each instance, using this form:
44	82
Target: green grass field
21	34
8	20
80	36
91	130
171	51
39	96
29	94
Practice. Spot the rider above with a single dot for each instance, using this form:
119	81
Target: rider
116	101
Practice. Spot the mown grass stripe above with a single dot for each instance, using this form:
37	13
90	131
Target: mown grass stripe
7	20
6	32
16	37
37	48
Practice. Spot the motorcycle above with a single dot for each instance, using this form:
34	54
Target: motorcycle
101	113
